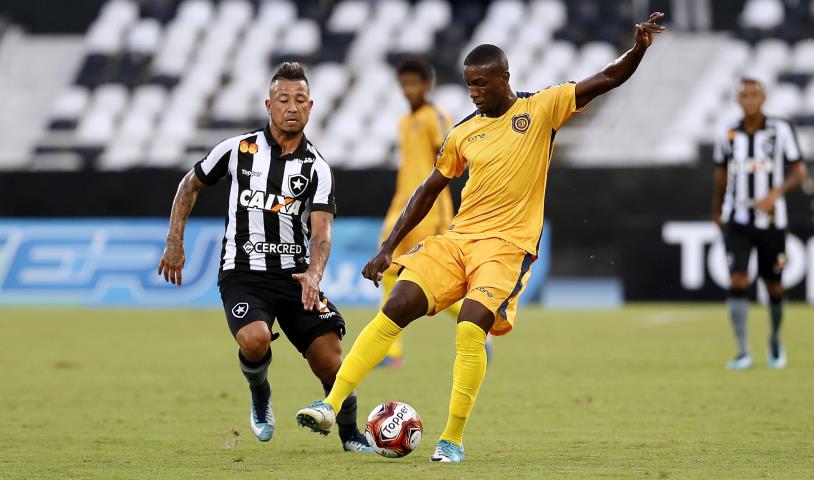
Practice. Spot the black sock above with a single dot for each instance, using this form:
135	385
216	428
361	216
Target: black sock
346	416
776	319
256	374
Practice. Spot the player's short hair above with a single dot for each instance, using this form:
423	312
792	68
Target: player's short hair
751	81
487	54
290	71
416	65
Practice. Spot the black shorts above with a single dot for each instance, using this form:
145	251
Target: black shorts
771	250
252	296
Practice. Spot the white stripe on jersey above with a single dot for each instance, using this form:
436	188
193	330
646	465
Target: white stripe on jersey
231	227
257	228
286	221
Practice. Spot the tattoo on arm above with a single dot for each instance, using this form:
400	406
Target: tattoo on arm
182	205
320	241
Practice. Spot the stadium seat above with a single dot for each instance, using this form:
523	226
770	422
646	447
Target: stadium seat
784	100
435	14
549	13
349	16
71	103
772	53
803	57
762	14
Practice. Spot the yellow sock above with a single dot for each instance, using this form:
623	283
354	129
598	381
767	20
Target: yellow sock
388	282
467	377
367	351
455	308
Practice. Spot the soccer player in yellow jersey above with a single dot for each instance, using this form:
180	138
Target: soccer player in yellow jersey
486	255
421	133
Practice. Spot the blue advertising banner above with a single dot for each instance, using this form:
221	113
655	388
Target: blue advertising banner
113	262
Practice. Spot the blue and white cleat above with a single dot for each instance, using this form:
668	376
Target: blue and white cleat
319	417
777	356
263	427
357	443
446	451
741	362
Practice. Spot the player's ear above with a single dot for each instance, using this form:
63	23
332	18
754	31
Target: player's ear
268	105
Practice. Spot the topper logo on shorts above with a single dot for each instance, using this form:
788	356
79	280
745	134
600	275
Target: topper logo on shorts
521	123
240	309
272	203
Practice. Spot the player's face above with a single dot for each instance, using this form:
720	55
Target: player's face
751	98
289	105
487	86
415	88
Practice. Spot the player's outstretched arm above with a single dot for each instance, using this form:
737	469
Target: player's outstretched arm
623	67
417	208
718	191
172	261
321	224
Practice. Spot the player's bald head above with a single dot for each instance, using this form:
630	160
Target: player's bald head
487	55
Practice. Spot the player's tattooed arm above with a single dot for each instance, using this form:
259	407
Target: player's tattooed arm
172	261
718	190
623	67
417	208
797	174
321	224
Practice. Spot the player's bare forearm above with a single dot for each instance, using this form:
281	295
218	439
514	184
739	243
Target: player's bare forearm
321	225
623	67
185	198
417	208
719	188
797	174
172	261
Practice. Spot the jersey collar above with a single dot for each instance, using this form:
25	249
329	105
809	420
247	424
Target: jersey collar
300	151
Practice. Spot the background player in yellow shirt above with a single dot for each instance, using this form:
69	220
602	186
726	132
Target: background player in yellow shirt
486	255
421	133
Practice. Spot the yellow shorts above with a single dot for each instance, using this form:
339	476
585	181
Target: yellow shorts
492	272
410	241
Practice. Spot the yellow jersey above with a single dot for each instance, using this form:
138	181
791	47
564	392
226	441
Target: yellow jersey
420	136
508	159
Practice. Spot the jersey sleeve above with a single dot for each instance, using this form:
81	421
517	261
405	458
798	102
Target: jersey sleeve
558	102
722	150
449	161
323	194
791	148
437	126
216	165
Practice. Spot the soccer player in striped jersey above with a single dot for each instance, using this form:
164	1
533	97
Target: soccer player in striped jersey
486	254
757	162
277	241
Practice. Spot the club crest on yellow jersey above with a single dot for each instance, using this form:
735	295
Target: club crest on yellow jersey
521	123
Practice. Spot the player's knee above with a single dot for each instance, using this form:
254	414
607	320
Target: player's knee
405	304
739	281
253	340
775	289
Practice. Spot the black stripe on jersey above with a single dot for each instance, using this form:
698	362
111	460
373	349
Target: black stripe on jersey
271	220
220	170
750	178
298	223
245	161
551	143
525	94
467	118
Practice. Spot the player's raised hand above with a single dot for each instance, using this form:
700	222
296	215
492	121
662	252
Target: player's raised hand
172	262
375	268
647	30
310	288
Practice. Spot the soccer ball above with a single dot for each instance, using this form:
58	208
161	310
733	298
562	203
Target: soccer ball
393	429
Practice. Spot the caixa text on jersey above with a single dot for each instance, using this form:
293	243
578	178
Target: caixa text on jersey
270	202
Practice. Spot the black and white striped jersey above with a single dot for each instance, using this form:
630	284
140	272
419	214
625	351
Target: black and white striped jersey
756	164
270	200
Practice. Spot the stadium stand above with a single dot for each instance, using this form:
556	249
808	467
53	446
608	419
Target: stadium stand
158	83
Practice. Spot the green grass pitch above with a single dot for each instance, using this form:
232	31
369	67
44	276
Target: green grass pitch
636	393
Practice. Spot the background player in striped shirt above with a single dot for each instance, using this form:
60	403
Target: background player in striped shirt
485	256
421	133
757	162
275	248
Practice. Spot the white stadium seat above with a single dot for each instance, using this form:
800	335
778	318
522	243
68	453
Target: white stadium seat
803	57
773	53
434	13
551	14
762	14
195	13
276	13
144	37
302	38
71	103
784	100
95	128
349	16
111	98
236	12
